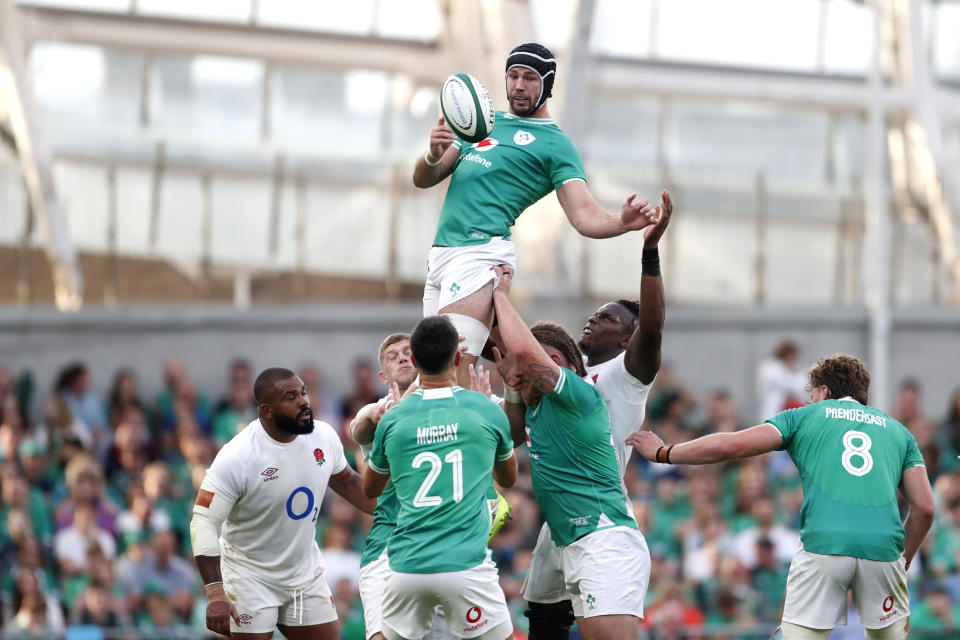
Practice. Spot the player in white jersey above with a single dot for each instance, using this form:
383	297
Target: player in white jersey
621	347
265	570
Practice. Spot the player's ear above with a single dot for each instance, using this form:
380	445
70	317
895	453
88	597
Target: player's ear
382	377
456	358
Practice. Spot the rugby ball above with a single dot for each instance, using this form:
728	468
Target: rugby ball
467	107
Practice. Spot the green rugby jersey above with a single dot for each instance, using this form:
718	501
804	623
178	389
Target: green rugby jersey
496	179
851	458
439	446
384	521
576	479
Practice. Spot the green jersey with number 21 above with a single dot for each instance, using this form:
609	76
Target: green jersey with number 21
851	458
439	446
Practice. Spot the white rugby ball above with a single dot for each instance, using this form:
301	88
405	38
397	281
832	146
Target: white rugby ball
467	107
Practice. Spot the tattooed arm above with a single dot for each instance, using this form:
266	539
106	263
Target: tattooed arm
535	363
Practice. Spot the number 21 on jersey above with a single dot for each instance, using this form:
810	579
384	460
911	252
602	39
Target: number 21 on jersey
856	444
455	457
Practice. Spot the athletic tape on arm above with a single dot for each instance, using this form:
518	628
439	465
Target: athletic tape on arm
205	525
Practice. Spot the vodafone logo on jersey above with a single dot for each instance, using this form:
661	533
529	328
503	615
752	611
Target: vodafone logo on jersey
484	145
474	614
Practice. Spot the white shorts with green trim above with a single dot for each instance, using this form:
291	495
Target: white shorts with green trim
817	588
453	273
472	602
263	606
607	572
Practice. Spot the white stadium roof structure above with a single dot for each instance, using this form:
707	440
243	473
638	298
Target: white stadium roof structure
237	142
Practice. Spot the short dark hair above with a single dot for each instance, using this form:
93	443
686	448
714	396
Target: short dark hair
391	339
267	380
634	308
433	344
553	335
843	374
69	376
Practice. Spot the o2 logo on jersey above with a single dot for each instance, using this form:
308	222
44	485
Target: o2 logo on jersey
295	504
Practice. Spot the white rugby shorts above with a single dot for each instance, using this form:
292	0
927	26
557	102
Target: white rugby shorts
453	273
263	606
472	602
544	582
373	580
817	588
607	572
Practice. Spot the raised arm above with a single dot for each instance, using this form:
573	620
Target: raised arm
512	403
438	162
348	484
715	447
364	425
642	358
915	486
533	361
589	218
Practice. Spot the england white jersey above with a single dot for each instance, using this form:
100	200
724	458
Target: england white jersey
626	399
276	489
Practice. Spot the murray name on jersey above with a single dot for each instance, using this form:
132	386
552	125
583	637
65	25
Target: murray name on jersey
437	433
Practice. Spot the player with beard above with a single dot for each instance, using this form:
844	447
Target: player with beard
526	157
576	477
265	487
621	347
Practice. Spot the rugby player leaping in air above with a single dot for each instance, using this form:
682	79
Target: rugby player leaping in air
525	158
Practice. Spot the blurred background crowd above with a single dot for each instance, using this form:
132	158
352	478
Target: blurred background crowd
96	494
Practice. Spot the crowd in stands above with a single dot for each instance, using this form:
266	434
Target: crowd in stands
96	494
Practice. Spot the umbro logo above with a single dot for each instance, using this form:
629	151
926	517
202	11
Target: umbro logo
269	474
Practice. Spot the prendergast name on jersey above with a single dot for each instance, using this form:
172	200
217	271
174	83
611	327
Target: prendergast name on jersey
855	415
437	433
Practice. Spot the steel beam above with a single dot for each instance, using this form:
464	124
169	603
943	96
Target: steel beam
36	165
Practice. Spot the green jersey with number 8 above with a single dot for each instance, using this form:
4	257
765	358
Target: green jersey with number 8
439	447
851	457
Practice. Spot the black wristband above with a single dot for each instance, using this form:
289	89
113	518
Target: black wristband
668	453
650	262
656	456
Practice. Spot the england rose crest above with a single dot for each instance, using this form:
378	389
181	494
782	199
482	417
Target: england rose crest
318	454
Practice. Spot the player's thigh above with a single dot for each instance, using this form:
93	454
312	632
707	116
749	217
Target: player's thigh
612	627
880	592
817	588
607	573
373	580
308	606
477	305
251	636
544	582
474	605
408	603
326	631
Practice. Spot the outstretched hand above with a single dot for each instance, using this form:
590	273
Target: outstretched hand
441	137
480	379
386	402
637	214
646	443
661	219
